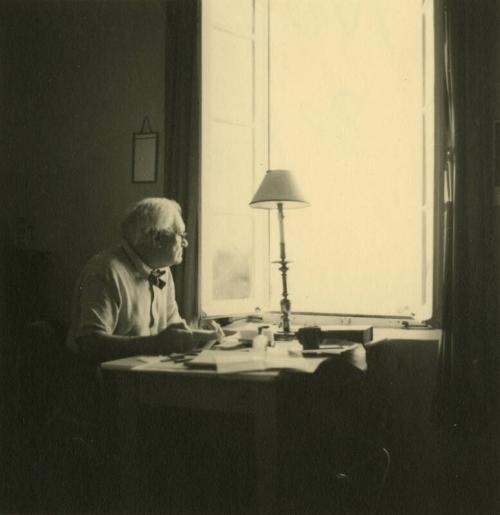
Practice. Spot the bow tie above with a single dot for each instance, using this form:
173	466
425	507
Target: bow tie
154	278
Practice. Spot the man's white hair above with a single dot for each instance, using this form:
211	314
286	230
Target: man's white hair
151	216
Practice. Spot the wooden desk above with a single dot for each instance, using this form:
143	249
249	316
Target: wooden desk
255	393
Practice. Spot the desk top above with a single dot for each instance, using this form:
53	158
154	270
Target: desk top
136	365
154	365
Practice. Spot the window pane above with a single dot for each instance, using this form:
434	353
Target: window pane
231	14
232	258
229	166
349	113
232	77
346	89
234	153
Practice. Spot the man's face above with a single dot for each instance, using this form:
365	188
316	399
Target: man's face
174	248
170	248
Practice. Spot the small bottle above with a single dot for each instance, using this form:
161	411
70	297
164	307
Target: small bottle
268	332
259	342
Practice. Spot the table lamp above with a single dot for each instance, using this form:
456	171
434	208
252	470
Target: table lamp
279	190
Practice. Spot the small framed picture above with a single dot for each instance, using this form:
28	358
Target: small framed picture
145	156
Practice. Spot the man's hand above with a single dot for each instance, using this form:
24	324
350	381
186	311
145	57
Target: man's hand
179	340
179	325
204	335
173	339
218	330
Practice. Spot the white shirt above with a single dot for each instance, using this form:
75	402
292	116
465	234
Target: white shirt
114	296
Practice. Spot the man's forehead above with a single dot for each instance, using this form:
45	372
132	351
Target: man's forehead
179	223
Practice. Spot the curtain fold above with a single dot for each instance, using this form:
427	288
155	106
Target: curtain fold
182	139
468	360
466	396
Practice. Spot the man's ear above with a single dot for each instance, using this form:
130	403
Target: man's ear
156	239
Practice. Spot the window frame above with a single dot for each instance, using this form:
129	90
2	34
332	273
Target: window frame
214	23
433	226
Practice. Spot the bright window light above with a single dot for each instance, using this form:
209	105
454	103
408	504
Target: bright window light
341	92
347	116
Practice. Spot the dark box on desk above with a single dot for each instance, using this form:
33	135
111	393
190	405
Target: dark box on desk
313	337
354	333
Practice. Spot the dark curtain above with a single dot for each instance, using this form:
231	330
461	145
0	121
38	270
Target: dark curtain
468	367
182	139
467	385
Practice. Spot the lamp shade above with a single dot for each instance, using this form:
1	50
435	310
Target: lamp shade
279	186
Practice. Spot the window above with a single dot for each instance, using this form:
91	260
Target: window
234	154
348	105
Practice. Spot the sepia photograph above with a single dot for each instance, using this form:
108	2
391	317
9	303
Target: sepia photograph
249	257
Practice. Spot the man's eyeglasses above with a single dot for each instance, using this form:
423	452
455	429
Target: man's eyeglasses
162	238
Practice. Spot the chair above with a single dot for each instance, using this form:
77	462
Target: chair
335	445
361	462
357	464
360	480
57	420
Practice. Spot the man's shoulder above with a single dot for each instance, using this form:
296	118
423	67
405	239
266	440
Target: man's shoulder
108	263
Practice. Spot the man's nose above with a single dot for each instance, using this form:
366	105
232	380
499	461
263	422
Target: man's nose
185	243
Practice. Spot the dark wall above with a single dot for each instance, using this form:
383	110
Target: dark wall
78	77
76	80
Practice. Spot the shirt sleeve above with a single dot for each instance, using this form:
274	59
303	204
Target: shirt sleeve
99	303
173	316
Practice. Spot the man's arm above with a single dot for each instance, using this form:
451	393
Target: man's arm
100	346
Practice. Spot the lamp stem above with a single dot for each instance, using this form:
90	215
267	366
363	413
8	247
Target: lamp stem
285	302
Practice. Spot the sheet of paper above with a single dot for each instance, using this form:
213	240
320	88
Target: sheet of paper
230	344
238	362
159	363
329	351
293	363
161	366
247	361
224	362
149	359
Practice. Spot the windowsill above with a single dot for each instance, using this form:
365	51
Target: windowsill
427	334
379	322
383	328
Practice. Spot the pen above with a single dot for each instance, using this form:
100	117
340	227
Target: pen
183	360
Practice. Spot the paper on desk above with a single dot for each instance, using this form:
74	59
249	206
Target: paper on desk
229	343
157	364
333	350
148	359
238	362
293	363
247	361
224	362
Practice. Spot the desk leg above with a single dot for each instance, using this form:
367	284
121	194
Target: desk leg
266	436
126	395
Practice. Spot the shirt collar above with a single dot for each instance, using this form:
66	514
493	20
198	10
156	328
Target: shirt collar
141	268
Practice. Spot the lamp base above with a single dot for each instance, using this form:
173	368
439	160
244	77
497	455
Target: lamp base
282	336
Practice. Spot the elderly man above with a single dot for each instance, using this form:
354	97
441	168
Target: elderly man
124	302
